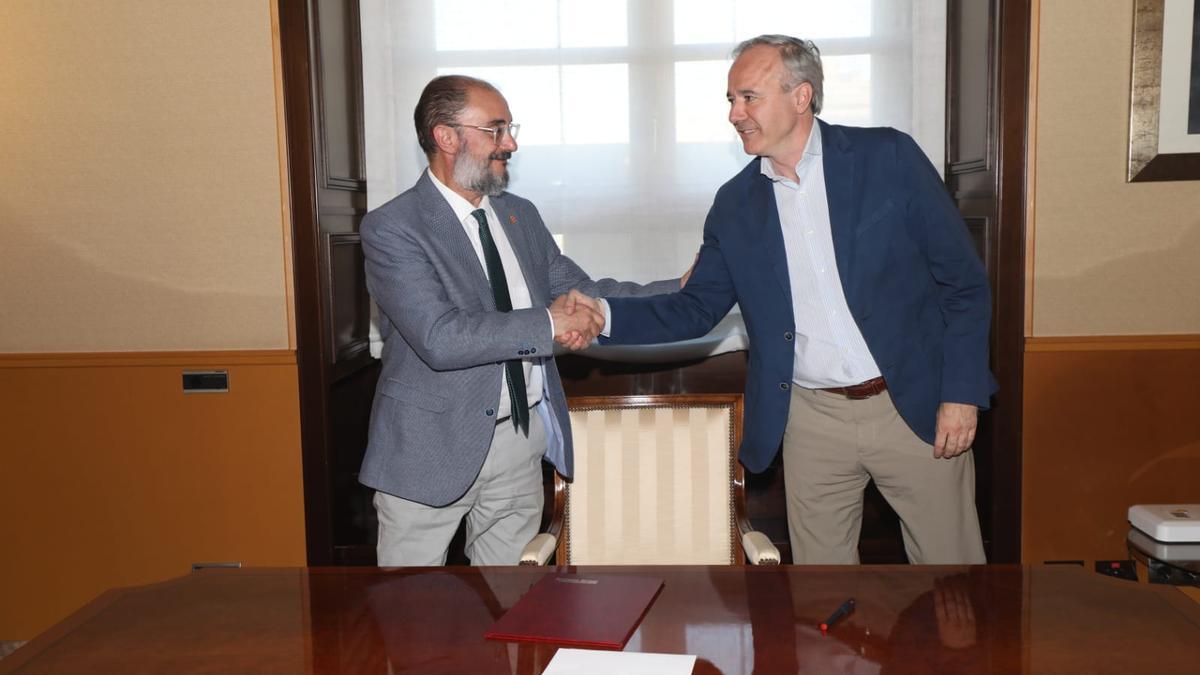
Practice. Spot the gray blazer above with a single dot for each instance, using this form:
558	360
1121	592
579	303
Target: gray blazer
444	342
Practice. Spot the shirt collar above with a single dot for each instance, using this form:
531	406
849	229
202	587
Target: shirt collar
459	204
812	153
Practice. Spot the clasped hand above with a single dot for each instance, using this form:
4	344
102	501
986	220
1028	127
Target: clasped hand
578	319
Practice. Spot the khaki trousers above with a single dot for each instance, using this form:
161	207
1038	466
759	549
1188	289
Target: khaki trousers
833	445
503	508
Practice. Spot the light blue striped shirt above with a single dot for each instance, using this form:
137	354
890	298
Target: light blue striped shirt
830	349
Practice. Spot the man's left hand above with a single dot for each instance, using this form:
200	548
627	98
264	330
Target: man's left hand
955	429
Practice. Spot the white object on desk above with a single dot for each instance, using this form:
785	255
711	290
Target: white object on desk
597	662
1168	553
1167	522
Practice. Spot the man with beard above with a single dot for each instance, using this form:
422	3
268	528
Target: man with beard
469	399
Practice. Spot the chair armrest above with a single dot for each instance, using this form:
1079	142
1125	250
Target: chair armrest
759	549
538	550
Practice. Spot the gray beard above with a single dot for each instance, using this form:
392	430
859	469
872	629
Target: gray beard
476	176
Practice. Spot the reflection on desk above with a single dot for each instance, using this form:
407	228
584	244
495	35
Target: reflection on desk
909	619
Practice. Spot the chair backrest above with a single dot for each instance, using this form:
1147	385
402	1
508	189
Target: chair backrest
656	481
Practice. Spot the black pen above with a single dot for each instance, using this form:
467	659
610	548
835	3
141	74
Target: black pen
846	607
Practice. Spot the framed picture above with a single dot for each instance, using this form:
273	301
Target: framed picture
1164	100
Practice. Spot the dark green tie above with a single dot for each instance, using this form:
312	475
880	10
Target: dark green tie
514	373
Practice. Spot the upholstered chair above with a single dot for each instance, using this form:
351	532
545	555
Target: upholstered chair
657	481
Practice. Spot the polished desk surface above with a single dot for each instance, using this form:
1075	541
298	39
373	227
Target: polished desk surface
909	619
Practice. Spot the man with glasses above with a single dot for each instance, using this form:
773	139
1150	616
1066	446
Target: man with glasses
868	311
469	399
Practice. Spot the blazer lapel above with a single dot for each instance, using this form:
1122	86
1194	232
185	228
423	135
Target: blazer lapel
444	227
765	214
519	240
839	191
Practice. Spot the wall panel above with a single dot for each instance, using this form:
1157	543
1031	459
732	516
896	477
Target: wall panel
1112	258
142	205
1109	422
112	476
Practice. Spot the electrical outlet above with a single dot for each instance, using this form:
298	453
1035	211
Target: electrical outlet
1121	569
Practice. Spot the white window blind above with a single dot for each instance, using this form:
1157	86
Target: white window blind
624	136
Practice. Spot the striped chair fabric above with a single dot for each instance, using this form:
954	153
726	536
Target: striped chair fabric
656	482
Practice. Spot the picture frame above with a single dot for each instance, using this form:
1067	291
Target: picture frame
1158	151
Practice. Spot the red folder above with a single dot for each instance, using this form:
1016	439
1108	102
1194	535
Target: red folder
590	610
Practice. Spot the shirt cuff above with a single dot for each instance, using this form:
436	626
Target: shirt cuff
607	317
552	331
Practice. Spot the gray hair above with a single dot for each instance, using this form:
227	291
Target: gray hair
442	102
801	60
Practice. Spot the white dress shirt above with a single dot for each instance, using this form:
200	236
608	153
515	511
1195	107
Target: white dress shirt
518	290
830	349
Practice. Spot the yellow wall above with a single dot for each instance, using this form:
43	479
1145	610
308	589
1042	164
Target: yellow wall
142	204
1109	421
1110	257
143	229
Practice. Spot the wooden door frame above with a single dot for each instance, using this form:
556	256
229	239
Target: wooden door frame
299	84
1014	25
1006	150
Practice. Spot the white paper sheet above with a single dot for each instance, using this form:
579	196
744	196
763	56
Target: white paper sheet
598	662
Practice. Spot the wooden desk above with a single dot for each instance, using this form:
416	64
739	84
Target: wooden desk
1002	619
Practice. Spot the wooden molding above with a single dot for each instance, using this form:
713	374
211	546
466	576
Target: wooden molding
1094	343
346	289
285	185
356	182
242	357
969	166
1011	52
957	163
1031	159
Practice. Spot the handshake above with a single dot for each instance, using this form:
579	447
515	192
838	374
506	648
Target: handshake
578	319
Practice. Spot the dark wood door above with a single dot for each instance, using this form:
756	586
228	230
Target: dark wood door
987	79
321	50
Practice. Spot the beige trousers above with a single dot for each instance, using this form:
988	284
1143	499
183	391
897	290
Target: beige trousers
834	445
503	508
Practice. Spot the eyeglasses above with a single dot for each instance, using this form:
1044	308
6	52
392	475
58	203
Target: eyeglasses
497	131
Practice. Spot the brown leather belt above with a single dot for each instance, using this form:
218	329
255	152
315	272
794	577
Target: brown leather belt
861	390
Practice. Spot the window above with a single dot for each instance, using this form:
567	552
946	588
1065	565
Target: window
624	136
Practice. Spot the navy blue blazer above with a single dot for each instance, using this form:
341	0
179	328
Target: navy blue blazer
912	279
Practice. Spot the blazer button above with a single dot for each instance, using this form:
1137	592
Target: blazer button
783	386
533	350
788	336
489	412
